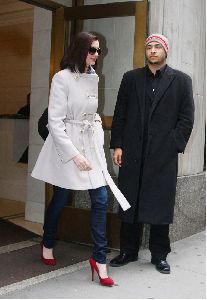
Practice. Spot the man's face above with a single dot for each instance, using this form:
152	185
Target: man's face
155	53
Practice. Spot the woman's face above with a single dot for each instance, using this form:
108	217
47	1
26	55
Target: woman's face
93	54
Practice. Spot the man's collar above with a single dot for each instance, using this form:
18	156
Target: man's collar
160	71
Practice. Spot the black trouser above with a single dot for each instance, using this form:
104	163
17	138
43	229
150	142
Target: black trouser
131	237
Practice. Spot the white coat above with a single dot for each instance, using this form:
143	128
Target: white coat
74	127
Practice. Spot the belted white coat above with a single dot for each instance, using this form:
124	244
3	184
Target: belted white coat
73	96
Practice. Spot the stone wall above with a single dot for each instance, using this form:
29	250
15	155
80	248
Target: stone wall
35	204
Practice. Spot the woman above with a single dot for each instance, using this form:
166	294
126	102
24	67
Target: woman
73	156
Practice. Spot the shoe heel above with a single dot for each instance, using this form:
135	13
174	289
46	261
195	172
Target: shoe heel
92	272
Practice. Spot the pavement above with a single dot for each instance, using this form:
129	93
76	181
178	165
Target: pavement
137	280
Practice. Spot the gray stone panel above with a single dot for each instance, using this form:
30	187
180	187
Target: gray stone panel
189	216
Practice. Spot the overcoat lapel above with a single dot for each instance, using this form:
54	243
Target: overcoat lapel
163	86
140	91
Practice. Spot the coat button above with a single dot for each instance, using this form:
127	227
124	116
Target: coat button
81	130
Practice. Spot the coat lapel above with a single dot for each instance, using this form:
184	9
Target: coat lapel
168	77
140	91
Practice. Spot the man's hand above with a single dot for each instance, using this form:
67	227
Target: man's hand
117	156
82	163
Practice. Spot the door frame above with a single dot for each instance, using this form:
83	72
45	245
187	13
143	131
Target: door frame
46	4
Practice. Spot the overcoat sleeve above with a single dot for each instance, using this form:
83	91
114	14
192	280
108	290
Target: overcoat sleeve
118	123
57	112
185	121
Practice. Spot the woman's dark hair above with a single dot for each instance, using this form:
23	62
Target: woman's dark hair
75	55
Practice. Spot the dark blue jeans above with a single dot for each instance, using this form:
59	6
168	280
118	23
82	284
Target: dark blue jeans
99	199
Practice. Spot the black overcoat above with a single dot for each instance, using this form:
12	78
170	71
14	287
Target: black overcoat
150	186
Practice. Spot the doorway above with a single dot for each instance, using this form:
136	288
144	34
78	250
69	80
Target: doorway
16	34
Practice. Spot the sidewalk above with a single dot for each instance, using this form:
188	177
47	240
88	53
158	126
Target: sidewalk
138	280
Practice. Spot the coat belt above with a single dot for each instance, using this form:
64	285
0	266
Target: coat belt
89	125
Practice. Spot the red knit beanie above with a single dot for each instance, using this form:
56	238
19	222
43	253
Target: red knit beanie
161	39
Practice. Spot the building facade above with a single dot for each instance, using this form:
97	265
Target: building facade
122	29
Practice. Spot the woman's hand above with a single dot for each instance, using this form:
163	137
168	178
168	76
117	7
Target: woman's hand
82	163
117	156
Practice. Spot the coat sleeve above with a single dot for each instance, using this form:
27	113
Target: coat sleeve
57	112
185	121
118	123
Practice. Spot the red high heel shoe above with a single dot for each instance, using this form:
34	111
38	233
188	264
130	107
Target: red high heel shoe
47	261
104	281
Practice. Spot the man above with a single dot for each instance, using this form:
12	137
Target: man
152	123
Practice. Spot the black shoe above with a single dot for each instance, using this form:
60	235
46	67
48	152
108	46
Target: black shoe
122	259
161	265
